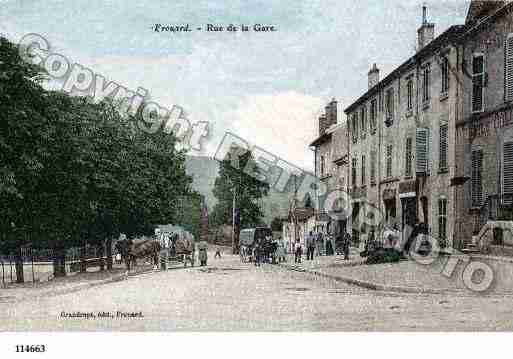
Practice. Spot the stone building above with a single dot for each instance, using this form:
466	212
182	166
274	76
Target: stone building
330	154
484	127
401	157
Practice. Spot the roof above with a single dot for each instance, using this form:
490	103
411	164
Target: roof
325	137
449	35
480	9
302	213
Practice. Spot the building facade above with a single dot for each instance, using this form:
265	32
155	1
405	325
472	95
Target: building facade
484	129
401	155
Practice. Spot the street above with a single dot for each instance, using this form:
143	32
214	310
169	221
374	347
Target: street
229	295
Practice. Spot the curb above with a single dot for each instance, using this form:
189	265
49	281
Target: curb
368	285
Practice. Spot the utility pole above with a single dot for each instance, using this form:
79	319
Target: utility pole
233	220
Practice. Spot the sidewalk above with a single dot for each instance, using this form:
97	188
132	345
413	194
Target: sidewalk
72	283
406	276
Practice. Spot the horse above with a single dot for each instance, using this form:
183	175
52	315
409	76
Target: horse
131	250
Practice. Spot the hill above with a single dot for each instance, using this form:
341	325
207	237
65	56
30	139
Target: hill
204	172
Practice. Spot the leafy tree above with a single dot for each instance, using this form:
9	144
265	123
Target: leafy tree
74	172
233	179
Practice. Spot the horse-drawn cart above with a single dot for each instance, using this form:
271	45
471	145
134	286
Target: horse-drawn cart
177	246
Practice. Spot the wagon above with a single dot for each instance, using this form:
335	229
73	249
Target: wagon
177	246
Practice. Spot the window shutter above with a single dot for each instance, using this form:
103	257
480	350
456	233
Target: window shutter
507	172
421	146
477	188
443	147
477	82
408	160
389	161
373	167
509	68
364	180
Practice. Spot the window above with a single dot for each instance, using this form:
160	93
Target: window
408	159
444	67
389	104
422	150
442	219
363	120
373	167
477	185
426	83
353	172
409	89
507	170
478	79
509	68
364	180
355	127
373	116
442	153
389	161
322	166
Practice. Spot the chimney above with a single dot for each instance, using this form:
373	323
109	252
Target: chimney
426	32
322	125
373	76
333	112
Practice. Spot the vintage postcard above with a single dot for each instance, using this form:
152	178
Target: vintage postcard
255	166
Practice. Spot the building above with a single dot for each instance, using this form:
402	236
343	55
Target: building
401	158
331	160
484	127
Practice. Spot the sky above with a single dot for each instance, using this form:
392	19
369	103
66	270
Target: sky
267	87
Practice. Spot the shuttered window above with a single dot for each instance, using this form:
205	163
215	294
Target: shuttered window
507	172
478	79
442	219
353	172
477	178
444	68
373	115
426	84
373	167
408	158
390	105
363	121
389	161
364	180
442	160
409	101
422	150
509	68
355	127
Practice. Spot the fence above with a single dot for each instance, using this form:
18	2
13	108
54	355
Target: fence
38	263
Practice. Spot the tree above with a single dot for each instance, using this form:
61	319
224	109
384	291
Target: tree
74	172
234	179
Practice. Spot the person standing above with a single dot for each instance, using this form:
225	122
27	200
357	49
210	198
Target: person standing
329	246
218	253
310	246
298	252
347	242
319	243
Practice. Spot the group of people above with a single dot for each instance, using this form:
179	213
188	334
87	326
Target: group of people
317	242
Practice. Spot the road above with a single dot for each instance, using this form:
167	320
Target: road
229	295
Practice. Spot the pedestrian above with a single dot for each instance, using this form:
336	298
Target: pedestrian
347	242
329	246
319	243
298	252
218	253
310	246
